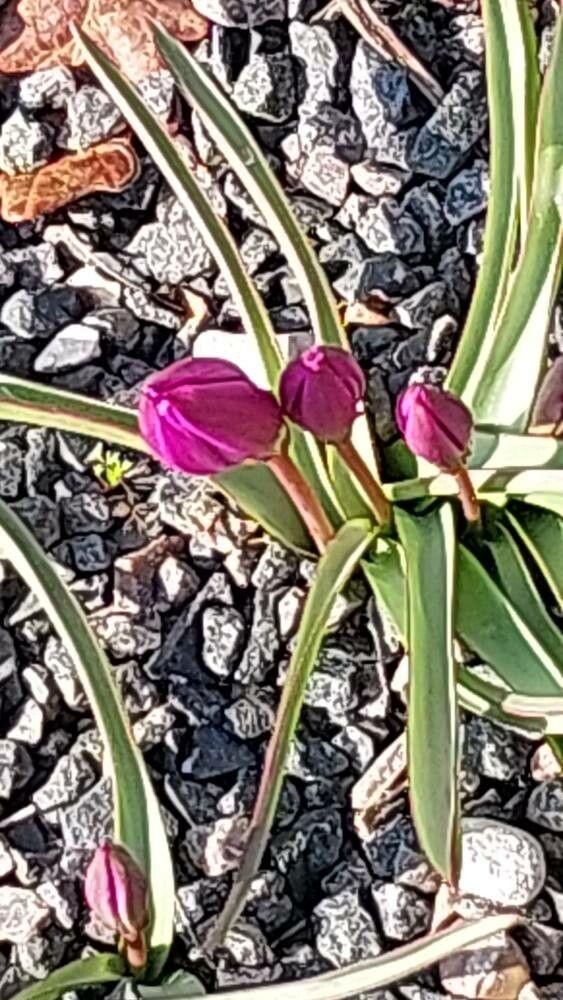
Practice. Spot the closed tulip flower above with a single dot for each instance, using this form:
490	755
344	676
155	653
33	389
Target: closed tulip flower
116	891
437	426
203	415
323	391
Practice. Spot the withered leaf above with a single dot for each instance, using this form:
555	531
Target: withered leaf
109	166
120	27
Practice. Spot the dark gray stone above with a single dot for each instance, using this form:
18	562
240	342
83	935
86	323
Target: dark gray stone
214	752
495	751
223	636
383	225
324	127
91	117
74	345
310	847
172	247
251	715
467	193
458	121
242	13
21	913
88	822
418	311
25	144
42	953
545	805
312	759
381	99
345	930
266	88
41	515
403	913
16	767
315	47
51	87
386	274
11	469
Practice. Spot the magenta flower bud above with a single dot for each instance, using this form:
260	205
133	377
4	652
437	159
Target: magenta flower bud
435	424
203	415
323	391
548	411
116	891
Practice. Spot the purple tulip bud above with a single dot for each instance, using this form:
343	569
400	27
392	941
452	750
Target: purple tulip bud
203	415
548	411
435	424
323	391
116	891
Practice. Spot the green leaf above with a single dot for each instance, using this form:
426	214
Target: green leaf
513	576
178	985
395	966
138	821
547	501
240	149
257	491
504	383
179	175
542	533
254	488
92	971
502	216
490	625
32	403
174	166
429	544
334	569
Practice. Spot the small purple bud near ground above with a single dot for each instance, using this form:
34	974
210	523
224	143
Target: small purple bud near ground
323	392
116	891
437	426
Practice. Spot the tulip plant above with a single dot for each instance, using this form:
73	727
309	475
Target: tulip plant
457	528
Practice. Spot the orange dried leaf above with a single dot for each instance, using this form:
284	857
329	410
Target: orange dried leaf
120	27
109	166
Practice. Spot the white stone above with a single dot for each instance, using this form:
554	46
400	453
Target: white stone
500	863
74	345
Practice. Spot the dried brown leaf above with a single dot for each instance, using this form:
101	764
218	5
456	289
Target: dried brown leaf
109	166
120	27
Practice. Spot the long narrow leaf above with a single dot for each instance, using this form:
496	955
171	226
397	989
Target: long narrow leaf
502	217
254	488
91	971
243	153
174	167
432	730
490	625
516	582
335	567
168	157
138	822
542	533
503	390
386	574
400	964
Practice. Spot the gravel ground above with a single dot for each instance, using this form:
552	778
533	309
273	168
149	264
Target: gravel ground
195	607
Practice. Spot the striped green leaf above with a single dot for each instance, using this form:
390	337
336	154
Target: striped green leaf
429	544
138	821
92	971
541	531
333	571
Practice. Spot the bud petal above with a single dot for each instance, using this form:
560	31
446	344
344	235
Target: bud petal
548	411
116	891
203	415
323	391
435	424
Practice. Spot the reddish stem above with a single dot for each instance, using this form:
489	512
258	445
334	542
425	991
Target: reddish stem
469	501
298	489
370	486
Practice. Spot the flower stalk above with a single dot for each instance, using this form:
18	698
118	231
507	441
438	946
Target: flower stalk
370	486
303	497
